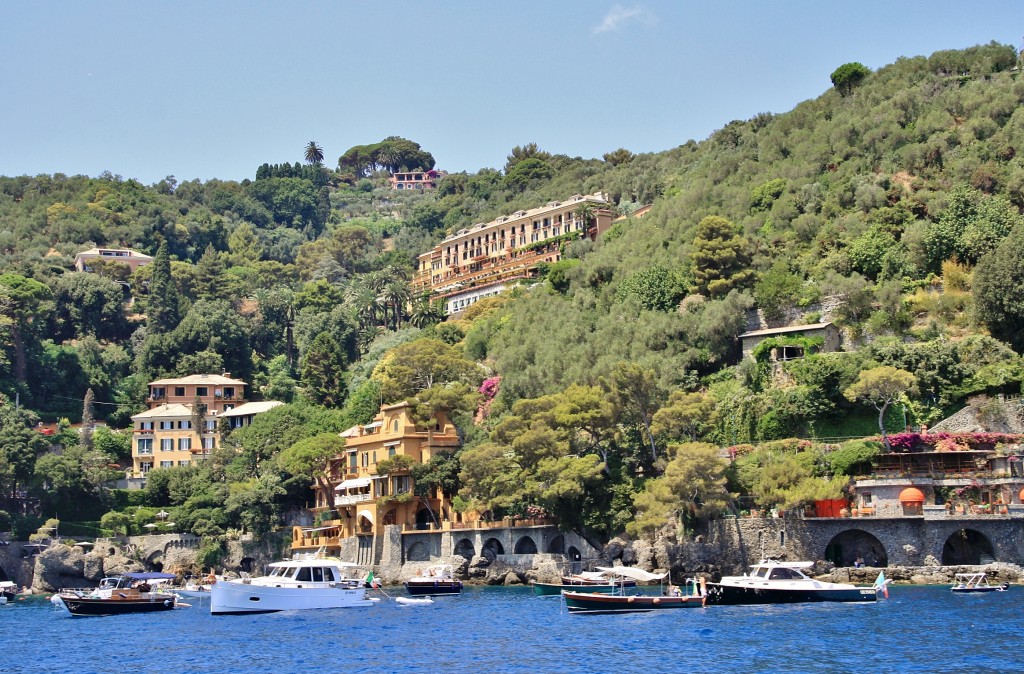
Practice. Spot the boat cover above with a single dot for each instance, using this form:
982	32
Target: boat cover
630	572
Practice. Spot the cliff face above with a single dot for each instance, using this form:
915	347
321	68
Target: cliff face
68	566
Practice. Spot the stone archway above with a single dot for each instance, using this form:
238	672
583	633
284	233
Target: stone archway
847	546
525	546
967	546
464	548
418	552
247	564
575	559
557	545
424	518
495	546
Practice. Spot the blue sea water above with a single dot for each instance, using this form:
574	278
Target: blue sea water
509	630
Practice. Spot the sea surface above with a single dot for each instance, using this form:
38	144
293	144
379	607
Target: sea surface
918	629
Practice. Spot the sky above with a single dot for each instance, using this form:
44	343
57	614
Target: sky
203	89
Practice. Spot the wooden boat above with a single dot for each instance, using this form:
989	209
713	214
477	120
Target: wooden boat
434	581
774	582
588	581
584	601
130	593
971	583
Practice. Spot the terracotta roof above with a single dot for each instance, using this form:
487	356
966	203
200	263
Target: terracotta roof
166	410
214	379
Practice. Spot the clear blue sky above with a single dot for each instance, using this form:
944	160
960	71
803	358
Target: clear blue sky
212	89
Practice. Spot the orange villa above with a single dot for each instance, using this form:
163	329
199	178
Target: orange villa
487	258
364	500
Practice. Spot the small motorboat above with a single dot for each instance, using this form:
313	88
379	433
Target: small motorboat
435	580
130	593
414	601
587	581
8	591
584	600
971	583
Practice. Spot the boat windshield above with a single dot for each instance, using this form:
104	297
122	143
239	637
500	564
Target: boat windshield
782	573
760	572
276	571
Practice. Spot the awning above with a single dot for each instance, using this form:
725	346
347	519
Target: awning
375	424
392	444
367	514
630	572
353	484
306	531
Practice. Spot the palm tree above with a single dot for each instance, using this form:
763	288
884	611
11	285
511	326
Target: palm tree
585	213
397	294
314	153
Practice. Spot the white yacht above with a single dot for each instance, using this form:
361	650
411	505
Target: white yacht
296	584
772	582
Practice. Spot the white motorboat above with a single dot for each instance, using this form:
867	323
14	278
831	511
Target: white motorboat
773	582
971	583
297	584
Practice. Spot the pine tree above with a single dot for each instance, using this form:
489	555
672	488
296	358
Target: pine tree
163	307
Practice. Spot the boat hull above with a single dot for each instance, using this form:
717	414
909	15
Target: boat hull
230	597
979	590
732	595
433	588
586	602
88	606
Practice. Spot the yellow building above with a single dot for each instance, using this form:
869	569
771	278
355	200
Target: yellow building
366	500
164	436
487	258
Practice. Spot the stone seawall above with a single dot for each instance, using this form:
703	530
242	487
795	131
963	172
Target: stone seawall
910	549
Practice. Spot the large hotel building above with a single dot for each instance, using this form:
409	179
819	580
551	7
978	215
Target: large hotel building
487	258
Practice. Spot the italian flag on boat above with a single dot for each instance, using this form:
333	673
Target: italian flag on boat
882	584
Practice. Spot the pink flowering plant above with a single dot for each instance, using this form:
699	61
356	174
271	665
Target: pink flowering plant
949	442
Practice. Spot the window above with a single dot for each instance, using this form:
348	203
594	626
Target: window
209	443
145	425
167	464
375	457
145	446
201	391
402	484
184	444
185	425
145	466
179	391
166	425
211	424
303	574
167	445
183	463
394	425
157	393
366	459
352	461
229	391
391	452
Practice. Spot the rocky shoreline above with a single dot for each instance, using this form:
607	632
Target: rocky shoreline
71	566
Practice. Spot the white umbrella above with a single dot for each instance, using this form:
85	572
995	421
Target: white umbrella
149	526
163	514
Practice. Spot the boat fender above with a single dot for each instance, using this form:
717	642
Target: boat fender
631	600
168	602
657	600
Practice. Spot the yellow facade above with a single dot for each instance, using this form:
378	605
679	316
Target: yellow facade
364	499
